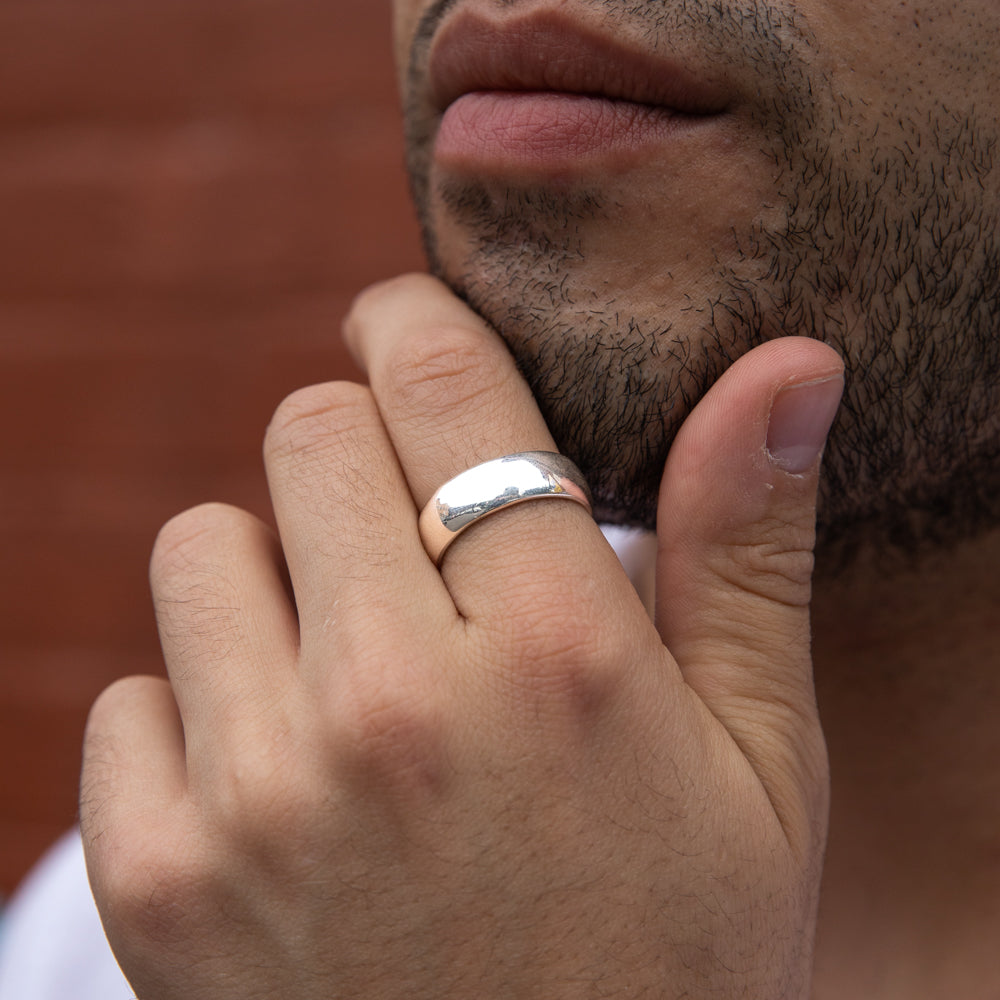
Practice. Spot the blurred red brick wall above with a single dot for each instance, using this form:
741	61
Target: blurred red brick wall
190	193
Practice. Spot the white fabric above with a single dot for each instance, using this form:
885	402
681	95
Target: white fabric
52	945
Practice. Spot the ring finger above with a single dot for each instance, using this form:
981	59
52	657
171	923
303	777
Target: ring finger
451	397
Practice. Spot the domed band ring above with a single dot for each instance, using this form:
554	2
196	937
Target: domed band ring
485	489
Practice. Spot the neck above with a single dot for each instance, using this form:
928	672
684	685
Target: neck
908	678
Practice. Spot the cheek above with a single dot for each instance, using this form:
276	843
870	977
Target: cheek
700	210
900	58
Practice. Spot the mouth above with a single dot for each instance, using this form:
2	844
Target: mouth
546	93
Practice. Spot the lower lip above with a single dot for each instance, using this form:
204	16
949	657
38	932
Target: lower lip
548	132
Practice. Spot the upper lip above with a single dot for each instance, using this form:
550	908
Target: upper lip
547	51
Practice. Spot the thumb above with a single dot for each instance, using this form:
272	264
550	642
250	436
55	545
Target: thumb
735	533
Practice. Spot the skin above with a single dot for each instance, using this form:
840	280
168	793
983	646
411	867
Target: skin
368	778
393	787
855	162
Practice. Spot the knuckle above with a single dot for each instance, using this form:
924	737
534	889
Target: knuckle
113	700
307	420
442	372
265	803
391	738
777	564
151	882
158	896
322	444
104	751
190	537
195	546
566	660
198	593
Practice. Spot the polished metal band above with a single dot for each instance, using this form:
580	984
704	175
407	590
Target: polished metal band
485	489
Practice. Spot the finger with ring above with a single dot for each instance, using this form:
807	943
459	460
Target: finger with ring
493	486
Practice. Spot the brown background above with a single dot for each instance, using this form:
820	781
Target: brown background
190	193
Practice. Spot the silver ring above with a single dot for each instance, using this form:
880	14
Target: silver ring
485	489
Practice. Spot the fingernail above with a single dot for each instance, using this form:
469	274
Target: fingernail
801	416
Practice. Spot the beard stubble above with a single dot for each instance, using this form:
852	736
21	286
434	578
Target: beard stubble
886	248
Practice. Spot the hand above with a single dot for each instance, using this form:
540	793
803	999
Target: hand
371	778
